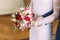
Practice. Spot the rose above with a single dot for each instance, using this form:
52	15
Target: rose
26	18
18	16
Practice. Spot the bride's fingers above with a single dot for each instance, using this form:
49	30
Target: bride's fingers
32	25
39	18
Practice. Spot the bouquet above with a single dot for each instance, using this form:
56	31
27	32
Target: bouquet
23	18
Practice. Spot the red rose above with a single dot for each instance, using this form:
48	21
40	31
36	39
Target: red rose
18	16
26	18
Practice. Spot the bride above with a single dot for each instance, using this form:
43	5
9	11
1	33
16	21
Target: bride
44	16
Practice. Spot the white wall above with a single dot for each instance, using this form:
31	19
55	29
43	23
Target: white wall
10	6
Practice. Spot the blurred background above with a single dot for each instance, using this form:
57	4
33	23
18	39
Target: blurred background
10	6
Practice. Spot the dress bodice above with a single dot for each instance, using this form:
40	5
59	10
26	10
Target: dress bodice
40	7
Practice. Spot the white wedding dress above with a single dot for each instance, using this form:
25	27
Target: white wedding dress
40	7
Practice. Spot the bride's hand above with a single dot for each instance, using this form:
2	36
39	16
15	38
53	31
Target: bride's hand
39	18
37	23
32	24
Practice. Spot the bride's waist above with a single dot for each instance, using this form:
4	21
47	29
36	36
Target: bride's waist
45	14
39	12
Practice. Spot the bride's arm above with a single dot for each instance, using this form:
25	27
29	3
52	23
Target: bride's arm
52	17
